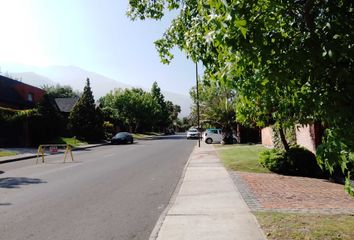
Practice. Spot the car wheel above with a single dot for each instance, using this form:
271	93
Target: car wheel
209	141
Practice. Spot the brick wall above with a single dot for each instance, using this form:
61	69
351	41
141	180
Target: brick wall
267	139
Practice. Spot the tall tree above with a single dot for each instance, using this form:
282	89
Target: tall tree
85	119
135	108
163	113
216	107
297	54
59	91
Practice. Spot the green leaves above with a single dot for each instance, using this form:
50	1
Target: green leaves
85	119
289	61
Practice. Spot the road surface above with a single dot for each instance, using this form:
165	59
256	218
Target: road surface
108	192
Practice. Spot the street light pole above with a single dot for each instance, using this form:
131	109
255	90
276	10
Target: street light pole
197	84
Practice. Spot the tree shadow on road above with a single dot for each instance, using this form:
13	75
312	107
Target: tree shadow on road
16	182
5	204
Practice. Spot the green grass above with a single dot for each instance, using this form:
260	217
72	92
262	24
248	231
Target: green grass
296	226
242	158
71	141
145	135
6	153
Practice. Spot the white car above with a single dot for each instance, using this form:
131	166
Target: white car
193	133
214	135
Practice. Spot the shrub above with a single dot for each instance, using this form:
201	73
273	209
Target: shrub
273	159
108	129
297	161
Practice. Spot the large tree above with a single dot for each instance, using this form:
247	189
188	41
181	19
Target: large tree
163	112
135	108
59	91
85	119
216	106
294	57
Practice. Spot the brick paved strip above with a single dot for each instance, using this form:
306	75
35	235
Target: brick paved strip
264	192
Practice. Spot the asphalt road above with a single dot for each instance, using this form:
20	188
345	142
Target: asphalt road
108	192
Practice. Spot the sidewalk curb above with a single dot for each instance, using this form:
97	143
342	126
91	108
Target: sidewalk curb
18	159
15	159
155	232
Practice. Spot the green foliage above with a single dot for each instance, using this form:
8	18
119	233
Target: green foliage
290	62
290	136
273	159
334	156
30	127
59	91
137	110
109	130
164	111
134	108
297	161
85	119
216	106
50	123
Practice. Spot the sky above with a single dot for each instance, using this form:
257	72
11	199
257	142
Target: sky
95	35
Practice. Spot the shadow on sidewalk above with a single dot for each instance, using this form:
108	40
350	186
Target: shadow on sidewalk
16	182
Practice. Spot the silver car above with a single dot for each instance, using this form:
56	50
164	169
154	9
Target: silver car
193	133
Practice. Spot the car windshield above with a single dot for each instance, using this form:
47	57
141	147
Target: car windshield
192	130
121	134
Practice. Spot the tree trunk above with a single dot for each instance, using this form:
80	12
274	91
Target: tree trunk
227	135
283	138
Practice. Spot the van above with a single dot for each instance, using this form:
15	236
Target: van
214	135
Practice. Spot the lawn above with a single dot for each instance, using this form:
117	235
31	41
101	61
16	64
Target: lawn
71	141
296	226
6	153
241	157
145	135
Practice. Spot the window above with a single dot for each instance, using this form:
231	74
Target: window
30	97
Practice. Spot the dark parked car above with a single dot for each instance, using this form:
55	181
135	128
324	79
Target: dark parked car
122	137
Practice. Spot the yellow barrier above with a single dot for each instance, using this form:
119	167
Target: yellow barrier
54	148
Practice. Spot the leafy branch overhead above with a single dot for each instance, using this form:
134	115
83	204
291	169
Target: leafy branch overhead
290	62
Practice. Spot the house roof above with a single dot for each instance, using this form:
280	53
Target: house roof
66	104
8	93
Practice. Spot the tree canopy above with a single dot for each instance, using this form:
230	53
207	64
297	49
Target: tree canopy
139	110
291	62
85	119
59	91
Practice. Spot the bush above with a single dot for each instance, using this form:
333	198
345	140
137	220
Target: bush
297	161
273	159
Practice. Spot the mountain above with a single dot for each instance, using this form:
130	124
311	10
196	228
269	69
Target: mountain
76	78
32	79
183	101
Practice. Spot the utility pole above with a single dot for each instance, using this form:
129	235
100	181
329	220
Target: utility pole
197	84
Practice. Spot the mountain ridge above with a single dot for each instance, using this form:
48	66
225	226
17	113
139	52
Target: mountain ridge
76	78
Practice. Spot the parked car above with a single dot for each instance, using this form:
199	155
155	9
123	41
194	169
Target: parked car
122	137
193	133
214	135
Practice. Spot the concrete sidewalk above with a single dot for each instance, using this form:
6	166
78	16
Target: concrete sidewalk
207	205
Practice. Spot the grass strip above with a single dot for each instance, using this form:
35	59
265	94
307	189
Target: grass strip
242	157
296	226
7	153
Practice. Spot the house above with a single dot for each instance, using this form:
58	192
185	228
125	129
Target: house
18	95
308	136
65	105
